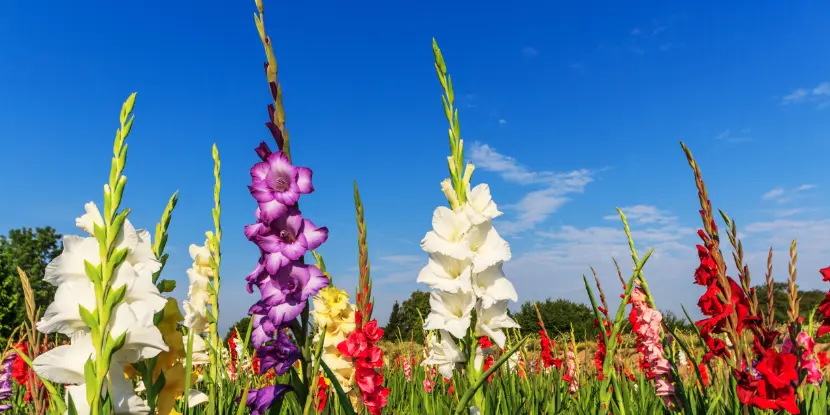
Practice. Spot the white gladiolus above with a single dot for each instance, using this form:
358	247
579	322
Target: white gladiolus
199	275
466	254
131	317
450	312
445	355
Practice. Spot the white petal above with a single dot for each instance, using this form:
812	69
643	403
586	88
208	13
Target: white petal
143	252
65	364
491	286
451	312
480	206
196	397
491	321
92	216
63	314
69	265
78	394
489	248
446	273
124	399
449	225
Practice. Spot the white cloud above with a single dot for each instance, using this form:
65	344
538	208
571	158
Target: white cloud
502	121
536	206
818	94
783	195
554	268
643	214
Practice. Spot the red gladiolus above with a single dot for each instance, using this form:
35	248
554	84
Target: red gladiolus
773	388
368	360
322	393
823	360
21	372
824	307
547	354
485	343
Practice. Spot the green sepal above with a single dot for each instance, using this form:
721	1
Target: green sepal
89	319
91	380
121	184
127	127
166	286
117	224
118	256
116	296
93	271
116	344
100	232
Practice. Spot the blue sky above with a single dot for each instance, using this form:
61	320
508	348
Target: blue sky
568	111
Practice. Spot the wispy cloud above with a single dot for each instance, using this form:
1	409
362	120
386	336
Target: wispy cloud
783	195
536	206
819	95
530	51
644	214
729	136
502	121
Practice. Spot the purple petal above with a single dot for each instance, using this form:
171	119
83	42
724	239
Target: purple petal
296	250
285	312
279	165
304	180
271	210
293	221
316	282
256	276
279	355
254	230
314	236
275	261
261	400
288	197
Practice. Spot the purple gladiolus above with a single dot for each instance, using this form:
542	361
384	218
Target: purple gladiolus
285	282
286	239
279	355
6	391
260	400
277	184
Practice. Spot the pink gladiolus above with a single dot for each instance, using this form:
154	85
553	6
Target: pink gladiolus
646	323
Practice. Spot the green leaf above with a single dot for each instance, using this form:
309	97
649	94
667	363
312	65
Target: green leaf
345	403
166	286
159	384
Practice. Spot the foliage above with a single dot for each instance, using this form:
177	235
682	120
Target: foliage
31	250
405	321
558	316
809	300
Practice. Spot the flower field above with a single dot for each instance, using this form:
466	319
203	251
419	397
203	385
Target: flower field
114	341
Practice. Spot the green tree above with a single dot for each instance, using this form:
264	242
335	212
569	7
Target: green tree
390	332
408	325
31	250
809	300
558	316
